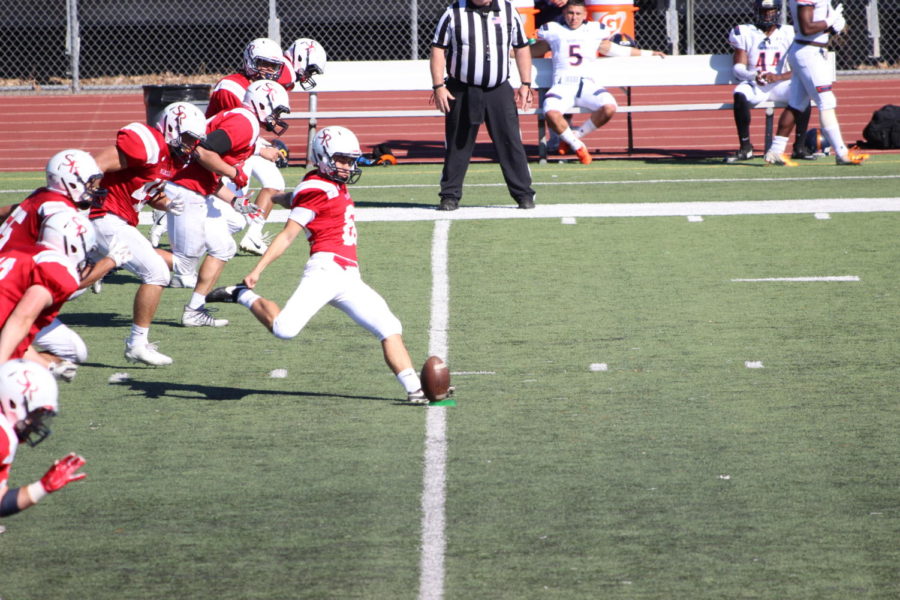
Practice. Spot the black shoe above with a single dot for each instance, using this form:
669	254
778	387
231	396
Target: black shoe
448	204
803	153
526	203
745	153
228	293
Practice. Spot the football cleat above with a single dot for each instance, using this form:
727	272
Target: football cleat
584	156
564	147
854	157
417	397
200	317
158	228
779	160
801	152
745	153
97	286
228	293
64	369
146	353
256	244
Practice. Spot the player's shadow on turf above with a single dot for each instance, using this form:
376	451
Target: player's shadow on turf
159	389
95	319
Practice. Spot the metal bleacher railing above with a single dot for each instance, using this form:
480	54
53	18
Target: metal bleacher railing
89	45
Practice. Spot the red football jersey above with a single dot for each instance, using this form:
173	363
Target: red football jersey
228	94
21	268
325	208
149	163
9	441
242	128
23	226
229	91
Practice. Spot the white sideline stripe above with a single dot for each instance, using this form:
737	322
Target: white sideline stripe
630	182
801	279
434	541
646	209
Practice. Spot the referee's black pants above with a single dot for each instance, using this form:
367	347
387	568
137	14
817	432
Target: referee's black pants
497	109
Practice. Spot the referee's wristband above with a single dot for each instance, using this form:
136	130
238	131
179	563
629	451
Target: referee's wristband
438	86
526	83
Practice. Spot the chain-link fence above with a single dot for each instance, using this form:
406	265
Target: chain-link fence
122	44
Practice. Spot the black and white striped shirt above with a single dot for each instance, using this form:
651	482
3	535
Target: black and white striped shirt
478	41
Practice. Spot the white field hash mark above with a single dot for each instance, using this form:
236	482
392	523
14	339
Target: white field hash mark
800	279
434	478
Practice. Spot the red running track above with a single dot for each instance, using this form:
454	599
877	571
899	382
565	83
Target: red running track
34	127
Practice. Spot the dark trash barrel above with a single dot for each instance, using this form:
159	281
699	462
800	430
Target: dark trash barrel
157	97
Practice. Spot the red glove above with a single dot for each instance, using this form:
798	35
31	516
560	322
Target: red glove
240	179
63	472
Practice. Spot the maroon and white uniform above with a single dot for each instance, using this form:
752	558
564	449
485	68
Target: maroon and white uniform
23	226
22	268
331	276
9	441
149	166
22	229
149	163
207	223
229	94
229	91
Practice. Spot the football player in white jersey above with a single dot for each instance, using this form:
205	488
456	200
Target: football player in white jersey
760	51
816	21
575	45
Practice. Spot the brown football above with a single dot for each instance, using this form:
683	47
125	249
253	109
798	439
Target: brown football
435	379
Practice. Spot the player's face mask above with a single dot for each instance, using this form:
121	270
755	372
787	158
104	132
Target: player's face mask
34	428
275	123
187	144
268	69
93	194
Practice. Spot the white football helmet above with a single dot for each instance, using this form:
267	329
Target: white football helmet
268	100
184	127
70	233
263	59
340	142
307	58
75	174
28	397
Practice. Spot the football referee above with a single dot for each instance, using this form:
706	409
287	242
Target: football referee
470	76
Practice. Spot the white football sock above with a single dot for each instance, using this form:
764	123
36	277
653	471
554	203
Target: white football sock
569	137
197	301
247	298
138	335
409	380
779	144
586	127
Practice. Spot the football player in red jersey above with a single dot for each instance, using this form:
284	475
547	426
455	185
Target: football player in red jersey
73	182
136	169
35	281
28	399
263	60
208	222
321	207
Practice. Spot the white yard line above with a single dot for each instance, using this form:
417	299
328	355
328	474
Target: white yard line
800	279
646	209
434	541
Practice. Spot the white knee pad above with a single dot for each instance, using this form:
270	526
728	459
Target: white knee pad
265	171
219	243
826	101
184	271
284	329
57	339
